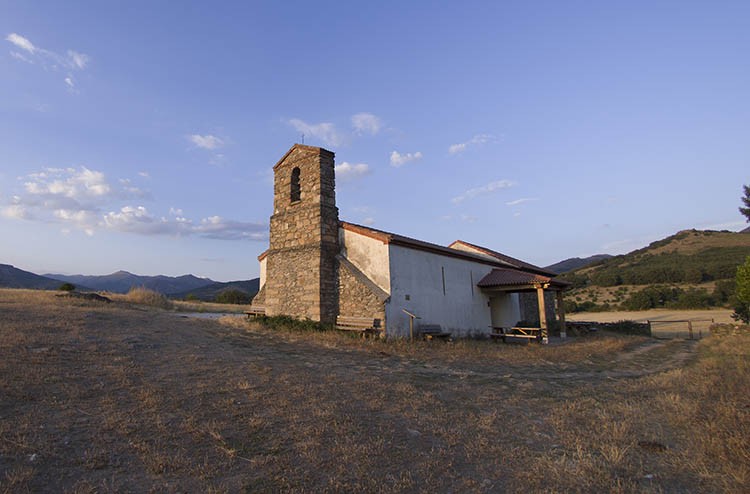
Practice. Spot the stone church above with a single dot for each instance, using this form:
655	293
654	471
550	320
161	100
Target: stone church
320	267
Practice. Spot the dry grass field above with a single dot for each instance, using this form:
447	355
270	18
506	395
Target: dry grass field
118	397
661	320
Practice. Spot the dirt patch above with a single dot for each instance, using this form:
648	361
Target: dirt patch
107	398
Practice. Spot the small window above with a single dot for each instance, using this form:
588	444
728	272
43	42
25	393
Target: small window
295	190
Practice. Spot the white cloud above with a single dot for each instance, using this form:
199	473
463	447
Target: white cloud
78	60
477	139
19	56
78	198
369	221
15	211
48	59
207	141
144	174
348	171
521	201
325	132
21	42
483	190
366	123
218	228
73	183
398	159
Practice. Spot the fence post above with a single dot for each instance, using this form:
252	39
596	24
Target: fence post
690	329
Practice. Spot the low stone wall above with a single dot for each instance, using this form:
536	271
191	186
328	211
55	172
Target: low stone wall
623	327
729	329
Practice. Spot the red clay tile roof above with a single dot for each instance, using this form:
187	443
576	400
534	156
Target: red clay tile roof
517	263
491	257
393	238
514	277
503	277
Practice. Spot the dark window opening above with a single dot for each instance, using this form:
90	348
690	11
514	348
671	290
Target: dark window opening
295	190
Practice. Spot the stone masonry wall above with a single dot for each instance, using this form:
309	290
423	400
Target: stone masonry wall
530	306
356	299
301	279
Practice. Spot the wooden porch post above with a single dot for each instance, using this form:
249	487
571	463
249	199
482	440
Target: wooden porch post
542	312
561	314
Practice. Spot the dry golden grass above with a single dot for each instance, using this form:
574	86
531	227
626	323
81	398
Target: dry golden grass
200	306
110	398
143	296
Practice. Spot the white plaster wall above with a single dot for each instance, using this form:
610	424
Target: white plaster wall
462	310
506	310
369	255
262	272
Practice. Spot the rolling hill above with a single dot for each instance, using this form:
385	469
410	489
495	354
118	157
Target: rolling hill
575	263
690	269
12	277
689	256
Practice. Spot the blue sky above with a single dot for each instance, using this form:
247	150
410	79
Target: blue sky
141	135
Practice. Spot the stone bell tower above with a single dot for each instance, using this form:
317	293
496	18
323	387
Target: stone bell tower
301	265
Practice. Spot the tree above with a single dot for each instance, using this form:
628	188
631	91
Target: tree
746	200
742	292
67	287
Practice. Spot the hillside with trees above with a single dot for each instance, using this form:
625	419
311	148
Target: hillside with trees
691	269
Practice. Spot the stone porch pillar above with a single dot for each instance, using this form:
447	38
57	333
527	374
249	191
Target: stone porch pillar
561	313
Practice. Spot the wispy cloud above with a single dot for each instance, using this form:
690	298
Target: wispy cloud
84	199
521	201
325	132
489	188
78	60
21	42
476	140
48	59
366	123
348	171
398	159
207	141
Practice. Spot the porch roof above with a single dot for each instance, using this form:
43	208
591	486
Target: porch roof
509	279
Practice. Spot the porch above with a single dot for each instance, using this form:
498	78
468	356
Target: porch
502	282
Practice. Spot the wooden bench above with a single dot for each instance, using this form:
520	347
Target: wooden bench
516	332
255	311
433	332
364	325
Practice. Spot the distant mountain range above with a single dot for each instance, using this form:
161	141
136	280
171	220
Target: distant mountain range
576	263
209	292
122	281
11	277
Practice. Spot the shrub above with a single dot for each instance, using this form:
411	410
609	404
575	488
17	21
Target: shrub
287	323
233	296
742	293
144	296
67	287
